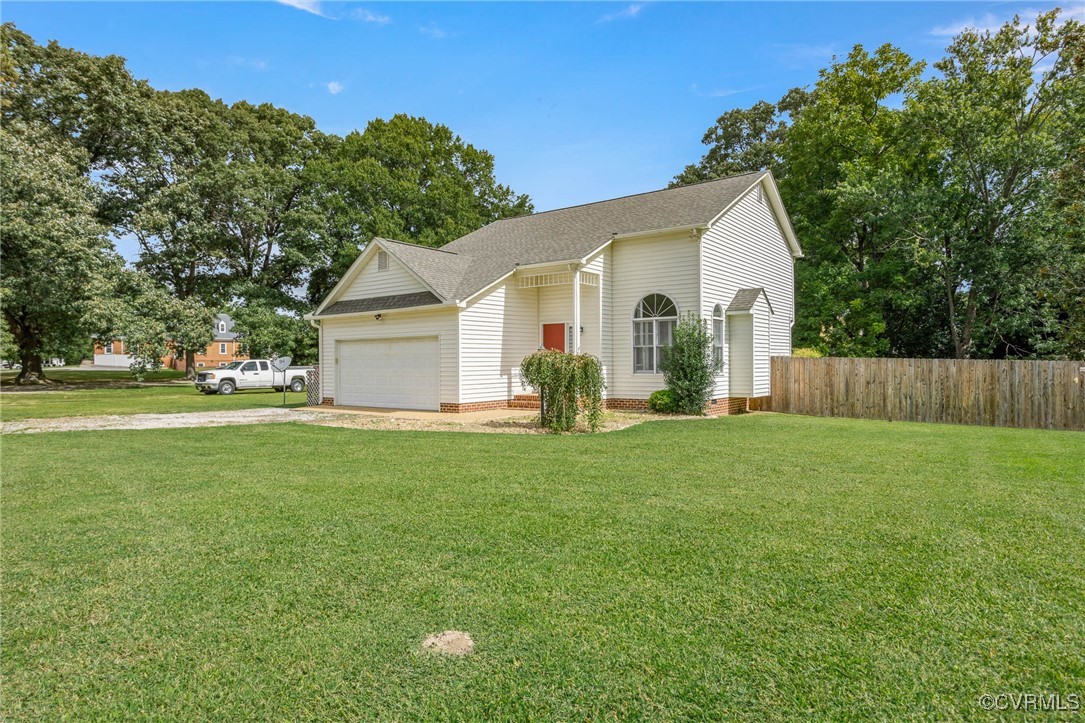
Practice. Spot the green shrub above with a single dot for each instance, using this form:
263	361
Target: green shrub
806	352
568	384
687	365
662	401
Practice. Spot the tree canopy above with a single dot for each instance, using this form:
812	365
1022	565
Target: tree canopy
939	211
244	206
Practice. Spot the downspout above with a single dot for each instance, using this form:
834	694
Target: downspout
576	310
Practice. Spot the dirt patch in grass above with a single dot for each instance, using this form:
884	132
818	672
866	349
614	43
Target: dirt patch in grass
450	642
521	424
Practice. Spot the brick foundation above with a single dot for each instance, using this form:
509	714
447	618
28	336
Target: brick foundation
626	405
728	405
732	405
455	408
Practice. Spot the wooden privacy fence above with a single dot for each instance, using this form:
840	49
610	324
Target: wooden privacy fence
998	393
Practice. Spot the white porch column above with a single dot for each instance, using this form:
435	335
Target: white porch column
576	312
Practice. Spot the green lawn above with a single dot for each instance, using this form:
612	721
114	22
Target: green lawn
164	399
757	567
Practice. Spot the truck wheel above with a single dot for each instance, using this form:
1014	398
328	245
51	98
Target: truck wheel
297	386
226	387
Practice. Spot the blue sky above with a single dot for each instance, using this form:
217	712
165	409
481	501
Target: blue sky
577	101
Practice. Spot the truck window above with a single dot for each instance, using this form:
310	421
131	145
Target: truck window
263	366
249	367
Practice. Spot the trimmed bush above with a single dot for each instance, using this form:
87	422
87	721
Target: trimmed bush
687	365
806	353
662	401
568	384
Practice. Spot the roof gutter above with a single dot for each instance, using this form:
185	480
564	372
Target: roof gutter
373	312
697	228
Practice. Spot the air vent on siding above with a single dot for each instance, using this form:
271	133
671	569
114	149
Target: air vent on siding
382	261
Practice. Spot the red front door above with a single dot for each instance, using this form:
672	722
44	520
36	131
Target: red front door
554	336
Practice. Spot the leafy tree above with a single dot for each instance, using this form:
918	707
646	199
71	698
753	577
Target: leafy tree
266	332
840	159
687	365
996	126
153	322
269	219
90	102
940	216
52	244
745	140
406	179
173	190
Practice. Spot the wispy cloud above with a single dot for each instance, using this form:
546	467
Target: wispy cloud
629	11
334	87
250	63
368	16
432	31
984	23
719	92
309	6
989	22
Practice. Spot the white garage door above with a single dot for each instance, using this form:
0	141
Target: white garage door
391	373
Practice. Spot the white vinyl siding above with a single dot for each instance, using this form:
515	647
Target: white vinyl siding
440	323
762	349
639	267
372	282
497	330
745	248
740	355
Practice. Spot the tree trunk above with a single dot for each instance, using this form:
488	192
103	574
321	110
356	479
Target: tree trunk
31	373
190	364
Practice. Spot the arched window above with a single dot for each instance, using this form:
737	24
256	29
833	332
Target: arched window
653	331
222	327
717	338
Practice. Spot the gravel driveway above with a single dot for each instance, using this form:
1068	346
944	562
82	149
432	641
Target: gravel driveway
161	421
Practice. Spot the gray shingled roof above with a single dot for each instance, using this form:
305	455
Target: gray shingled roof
469	264
745	299
229	334
573	233
442	270
381	303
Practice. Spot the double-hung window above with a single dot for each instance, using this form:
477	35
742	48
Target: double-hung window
653	331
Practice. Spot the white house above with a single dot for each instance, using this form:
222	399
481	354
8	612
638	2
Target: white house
413	327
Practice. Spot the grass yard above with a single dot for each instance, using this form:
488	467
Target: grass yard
757	567
164	399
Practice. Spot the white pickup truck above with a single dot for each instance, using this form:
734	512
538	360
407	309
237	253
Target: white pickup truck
252	374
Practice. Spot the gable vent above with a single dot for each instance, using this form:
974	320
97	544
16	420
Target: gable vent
382	261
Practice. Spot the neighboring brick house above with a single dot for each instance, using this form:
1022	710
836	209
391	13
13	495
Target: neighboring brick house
223	350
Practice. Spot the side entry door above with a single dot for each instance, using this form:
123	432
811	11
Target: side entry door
248	376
